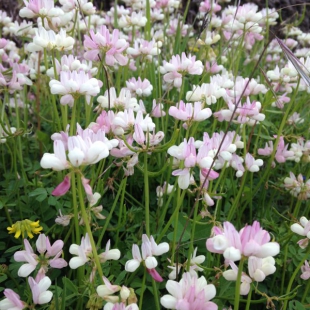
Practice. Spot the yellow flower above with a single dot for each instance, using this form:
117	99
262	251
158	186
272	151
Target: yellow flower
25	226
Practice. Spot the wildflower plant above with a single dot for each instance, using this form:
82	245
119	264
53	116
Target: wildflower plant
147	163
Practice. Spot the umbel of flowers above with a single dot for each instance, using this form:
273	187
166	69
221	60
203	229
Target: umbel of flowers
251	243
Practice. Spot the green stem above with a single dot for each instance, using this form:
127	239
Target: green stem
248	301
86	221
305	292
75	209
234	206
175	212
293	277
72	123
238	284
121	188
142	289
146	196
155	293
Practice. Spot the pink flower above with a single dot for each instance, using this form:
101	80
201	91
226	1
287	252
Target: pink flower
120	306
297	186
282	154
178	66
247	113
149	250
12	301
232	274
63	187
108	47
260	268
84	253
40	294
157	109
251	240
144	48
190	112
139	87
305	271
49	256
190	293
302	229
75	83
43	8
251	164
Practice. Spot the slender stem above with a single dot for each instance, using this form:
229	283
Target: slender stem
86	221
121	188
305	292
175	228
155	293
175	212
146	196
238	283
72	124
75	209
142	289
234	206
248	301
293	277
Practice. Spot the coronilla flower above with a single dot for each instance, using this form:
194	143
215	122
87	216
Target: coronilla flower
251	240
139	87
146	49
282	153
305	269
247	113
208	93
84	253
190	112
136	20
48	39
49	256
297	187
74	84
107	46
86	148
120	306
149	250
260	268
232	274
39	289
178	66
11	301
123	101
303	229
42	8
190	293
20	228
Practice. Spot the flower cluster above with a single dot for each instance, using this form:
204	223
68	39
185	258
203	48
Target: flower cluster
149	249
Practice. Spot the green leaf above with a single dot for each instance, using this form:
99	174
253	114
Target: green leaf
295	305
120	277
2	245
69	285
186	236
13	249
3	277
39	193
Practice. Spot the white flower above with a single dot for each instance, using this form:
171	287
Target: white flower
40	294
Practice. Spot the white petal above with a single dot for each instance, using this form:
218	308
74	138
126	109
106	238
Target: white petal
168	301
132	265
45	297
